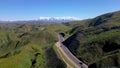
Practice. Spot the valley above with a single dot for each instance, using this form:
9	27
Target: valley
89	43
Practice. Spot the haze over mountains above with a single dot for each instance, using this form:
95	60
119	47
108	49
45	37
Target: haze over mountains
58	19
48	19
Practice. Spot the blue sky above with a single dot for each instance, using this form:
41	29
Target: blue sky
33	9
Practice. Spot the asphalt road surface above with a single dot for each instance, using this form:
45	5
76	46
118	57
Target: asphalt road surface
69	55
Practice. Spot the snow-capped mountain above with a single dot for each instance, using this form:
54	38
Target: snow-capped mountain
58	19
45	19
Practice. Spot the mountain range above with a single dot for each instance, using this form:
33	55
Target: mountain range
58	19
47	19
96	42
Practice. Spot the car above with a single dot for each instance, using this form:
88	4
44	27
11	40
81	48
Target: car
80	63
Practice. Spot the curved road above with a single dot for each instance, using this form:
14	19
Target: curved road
69	55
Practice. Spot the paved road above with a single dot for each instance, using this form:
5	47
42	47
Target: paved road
69	55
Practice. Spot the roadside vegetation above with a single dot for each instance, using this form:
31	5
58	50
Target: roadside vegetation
96	41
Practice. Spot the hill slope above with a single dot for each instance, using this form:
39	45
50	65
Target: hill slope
112	18
98	43
29	45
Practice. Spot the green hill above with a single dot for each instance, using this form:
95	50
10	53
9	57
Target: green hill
112	18
97	41
29	45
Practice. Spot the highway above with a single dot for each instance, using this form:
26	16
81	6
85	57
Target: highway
77	63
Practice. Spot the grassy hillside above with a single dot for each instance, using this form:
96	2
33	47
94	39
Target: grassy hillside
98	42
29	45
110	19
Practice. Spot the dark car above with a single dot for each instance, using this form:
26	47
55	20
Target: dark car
80	63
